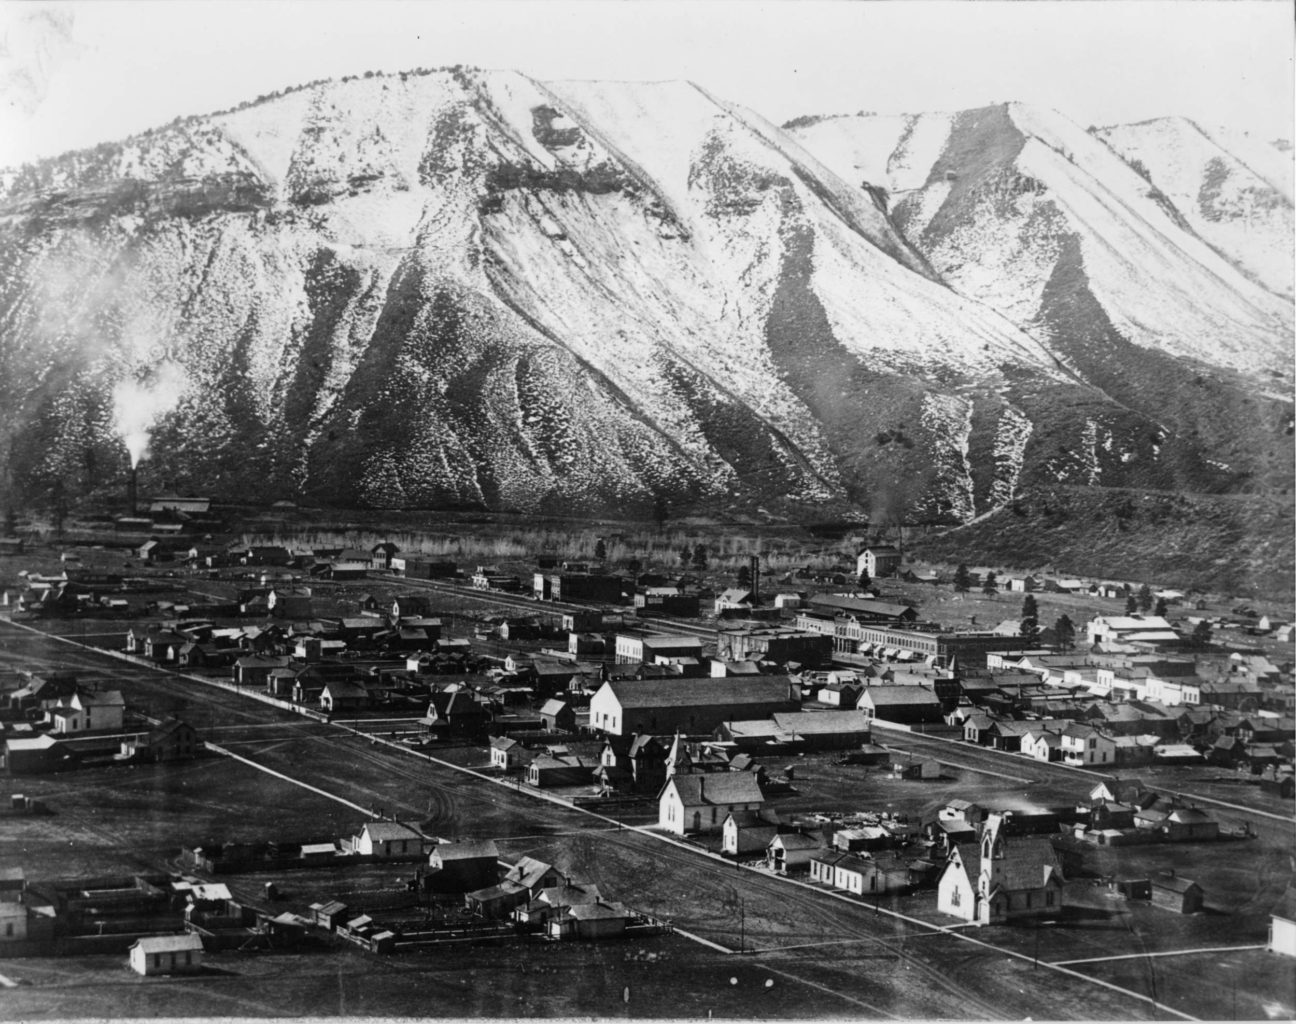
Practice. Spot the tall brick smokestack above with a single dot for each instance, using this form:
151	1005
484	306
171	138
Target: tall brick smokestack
132	491
755	579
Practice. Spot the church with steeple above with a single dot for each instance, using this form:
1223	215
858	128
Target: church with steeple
1000	877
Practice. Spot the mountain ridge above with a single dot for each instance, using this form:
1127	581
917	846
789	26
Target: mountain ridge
469	287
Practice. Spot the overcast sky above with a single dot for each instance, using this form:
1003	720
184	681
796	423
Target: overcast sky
73	74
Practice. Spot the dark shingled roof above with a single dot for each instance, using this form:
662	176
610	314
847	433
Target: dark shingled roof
1028	863
670	693
719	788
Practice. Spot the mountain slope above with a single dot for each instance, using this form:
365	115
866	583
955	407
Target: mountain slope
472	288
1023	210
1230	206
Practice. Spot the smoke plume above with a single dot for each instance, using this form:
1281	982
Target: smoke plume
139	401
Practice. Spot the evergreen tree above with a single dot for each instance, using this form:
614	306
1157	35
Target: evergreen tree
865	580
686	555
744	576
1065	632
11	522
1030	630
700	557
1030	609
1145	598
1160	607
991	585
600	550
962	579
1131	605
1202	632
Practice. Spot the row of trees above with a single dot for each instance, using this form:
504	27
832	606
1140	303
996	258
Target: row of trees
1137	601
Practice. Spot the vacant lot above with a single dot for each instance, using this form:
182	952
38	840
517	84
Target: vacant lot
1251	984
124	819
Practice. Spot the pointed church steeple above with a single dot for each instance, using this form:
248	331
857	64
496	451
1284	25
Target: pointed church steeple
992	854
677	758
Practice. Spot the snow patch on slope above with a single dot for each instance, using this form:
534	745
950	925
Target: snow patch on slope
1161	289
1229	205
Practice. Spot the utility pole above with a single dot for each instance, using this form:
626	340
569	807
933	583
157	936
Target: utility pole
742	925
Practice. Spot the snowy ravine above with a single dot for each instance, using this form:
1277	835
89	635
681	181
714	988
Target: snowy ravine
1154	264
472	288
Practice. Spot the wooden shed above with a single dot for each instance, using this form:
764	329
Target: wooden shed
1174	892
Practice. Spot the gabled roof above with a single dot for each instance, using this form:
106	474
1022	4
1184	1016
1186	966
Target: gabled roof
1177	883
1029	863
597	911
528	872
753	819
477	849
150	944
546	761
1189	816
385	831
717	788
819	723
667	693
736	595
796	841
336	688
898	695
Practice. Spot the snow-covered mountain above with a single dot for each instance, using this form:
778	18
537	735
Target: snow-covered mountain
1174	298
1236	210
467	287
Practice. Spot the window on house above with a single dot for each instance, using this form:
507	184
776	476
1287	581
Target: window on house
188	956
1048	898
157	959
713	815
9	928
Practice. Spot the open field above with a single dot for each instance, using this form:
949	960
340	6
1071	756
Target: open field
122	819
1249	984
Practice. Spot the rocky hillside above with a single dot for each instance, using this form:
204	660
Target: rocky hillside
1238	211
464	288
1157	267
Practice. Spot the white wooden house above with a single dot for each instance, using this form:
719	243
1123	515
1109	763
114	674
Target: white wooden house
166	954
